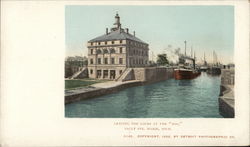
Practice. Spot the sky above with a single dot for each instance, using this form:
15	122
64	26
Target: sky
164	28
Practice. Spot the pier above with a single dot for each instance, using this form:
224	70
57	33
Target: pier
226	98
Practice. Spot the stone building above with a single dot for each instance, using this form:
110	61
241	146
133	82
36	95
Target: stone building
111	54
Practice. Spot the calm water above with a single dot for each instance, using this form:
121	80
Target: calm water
166	99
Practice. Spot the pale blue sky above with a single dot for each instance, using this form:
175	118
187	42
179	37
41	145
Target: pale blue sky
206	28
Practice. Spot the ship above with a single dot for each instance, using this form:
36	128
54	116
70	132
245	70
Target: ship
184	70
215	69
204	67
184	74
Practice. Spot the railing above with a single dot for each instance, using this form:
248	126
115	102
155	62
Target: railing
77	73
121	74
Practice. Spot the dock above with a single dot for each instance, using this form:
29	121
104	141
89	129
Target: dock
226	98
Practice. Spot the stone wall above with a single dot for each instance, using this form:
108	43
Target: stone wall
129	75
153	74
226	98
227	76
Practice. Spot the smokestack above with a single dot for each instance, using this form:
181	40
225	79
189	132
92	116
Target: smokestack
185	46
107	31
134	33
127	30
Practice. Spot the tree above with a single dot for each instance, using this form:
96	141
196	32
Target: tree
162	59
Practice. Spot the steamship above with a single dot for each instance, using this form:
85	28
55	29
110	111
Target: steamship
186	71
183	73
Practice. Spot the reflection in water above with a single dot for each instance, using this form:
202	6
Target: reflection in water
166	99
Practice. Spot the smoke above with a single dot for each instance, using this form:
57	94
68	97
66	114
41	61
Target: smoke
172	53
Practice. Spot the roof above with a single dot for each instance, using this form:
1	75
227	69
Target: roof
117	35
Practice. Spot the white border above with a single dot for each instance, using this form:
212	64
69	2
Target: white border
32	85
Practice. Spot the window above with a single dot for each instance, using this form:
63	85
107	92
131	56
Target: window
105	73
99	73
120	49
105	51
99	61
112	50
105	42
105	60
91	43
91	71
99	43
112	60
120	71
113	42
91	51
98	51
120	41
120	61
91	61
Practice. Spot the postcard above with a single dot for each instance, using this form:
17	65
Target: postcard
125	73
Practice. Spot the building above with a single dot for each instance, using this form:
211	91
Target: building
111	54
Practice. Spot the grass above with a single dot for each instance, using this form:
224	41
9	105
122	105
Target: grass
71	84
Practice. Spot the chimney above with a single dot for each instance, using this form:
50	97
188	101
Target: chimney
134	33
127	30
107	31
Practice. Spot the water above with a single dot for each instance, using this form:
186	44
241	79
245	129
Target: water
197	98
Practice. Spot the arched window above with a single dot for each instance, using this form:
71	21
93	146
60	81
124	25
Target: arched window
105	51
112	50
98	51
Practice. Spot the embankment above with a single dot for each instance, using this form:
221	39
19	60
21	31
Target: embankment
141	76
226	98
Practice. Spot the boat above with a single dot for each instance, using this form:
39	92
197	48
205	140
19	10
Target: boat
182	73
215	69
186	71
204	67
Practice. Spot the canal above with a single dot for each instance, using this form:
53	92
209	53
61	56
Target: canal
197	98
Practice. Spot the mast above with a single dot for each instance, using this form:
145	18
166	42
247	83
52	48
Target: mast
191	51
204	57
185	46
205	62
194	59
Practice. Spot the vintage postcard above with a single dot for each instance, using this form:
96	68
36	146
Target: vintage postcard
125	73
170	56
